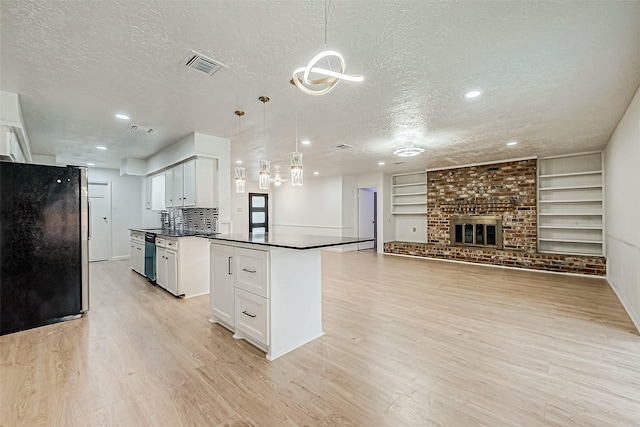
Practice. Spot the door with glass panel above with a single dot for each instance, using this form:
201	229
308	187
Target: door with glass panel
258	213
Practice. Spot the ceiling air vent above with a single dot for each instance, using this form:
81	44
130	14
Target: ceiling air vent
141	129
199	62
343	146
398	163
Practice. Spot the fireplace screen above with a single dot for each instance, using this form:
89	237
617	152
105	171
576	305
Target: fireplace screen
476	230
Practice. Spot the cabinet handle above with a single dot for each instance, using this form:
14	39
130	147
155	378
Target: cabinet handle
250	315
248	271
230	264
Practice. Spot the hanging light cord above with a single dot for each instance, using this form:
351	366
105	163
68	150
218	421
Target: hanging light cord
296	107
326	20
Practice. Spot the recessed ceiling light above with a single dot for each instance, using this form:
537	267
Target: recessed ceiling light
316	173
512	143
91	164
473	94
101	147
305	142
122	116
381	163
239	162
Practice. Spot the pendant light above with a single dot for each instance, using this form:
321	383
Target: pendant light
240	174
265	165
328	78
296	156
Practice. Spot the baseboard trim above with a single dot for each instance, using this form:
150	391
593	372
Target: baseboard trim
626	306
119	257
498	266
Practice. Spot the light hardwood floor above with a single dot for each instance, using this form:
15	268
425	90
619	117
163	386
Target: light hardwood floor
408	342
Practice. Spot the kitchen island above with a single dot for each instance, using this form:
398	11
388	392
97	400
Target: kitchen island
267	288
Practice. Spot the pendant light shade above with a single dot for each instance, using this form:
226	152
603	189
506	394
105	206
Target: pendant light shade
240	180
265	174
296	168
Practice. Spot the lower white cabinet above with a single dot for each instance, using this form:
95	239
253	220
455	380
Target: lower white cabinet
252	317
269	296
222	285
137	252
182	265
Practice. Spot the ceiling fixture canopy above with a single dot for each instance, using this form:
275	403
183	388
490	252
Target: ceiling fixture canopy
408	151
323	79
265	165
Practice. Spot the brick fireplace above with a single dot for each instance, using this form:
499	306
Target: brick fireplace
503	191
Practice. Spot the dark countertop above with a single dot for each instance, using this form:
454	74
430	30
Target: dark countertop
301	241
173	233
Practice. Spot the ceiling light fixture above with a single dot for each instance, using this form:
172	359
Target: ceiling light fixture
512	143
473	94
240	180
91	164
122	116
296	156
316	173
324	79
408	151
305	142
265	165
381	163
101	147
239	162
277	182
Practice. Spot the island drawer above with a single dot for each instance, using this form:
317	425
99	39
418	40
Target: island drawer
252	271
252	316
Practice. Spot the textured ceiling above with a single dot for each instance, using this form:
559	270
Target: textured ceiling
555	76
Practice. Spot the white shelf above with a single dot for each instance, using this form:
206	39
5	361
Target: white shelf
411	194
572	187
571	214
413	184
556	175
570	201
571	227
409	213
545	239
408	203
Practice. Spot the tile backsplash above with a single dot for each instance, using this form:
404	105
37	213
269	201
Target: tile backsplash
192	219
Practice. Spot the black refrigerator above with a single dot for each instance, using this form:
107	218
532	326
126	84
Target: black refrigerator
44	251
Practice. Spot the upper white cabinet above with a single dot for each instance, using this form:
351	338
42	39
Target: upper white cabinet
409	193
570	204
193	183
10	146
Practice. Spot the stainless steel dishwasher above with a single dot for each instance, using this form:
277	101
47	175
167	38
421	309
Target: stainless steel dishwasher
150	256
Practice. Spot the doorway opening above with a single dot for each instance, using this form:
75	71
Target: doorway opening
258	213
368	217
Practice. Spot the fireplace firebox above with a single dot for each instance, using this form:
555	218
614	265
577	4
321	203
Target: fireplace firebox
476	230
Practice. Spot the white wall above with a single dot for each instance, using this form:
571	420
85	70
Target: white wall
314	208
411	228
126	206
622	209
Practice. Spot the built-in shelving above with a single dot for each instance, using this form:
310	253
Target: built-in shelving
570	205
409	193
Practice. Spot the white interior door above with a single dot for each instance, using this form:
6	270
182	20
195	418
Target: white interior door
366	216
100	221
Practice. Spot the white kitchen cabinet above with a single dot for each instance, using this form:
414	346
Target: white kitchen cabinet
268	296
183	265
137	252
10	146
223	285
193	183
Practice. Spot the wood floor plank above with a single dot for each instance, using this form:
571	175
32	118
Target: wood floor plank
408	342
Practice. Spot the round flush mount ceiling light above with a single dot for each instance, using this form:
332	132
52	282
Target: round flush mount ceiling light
101	147
512	143
305	142
239	162
122	116
316	173
381	163
408	151
473	94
